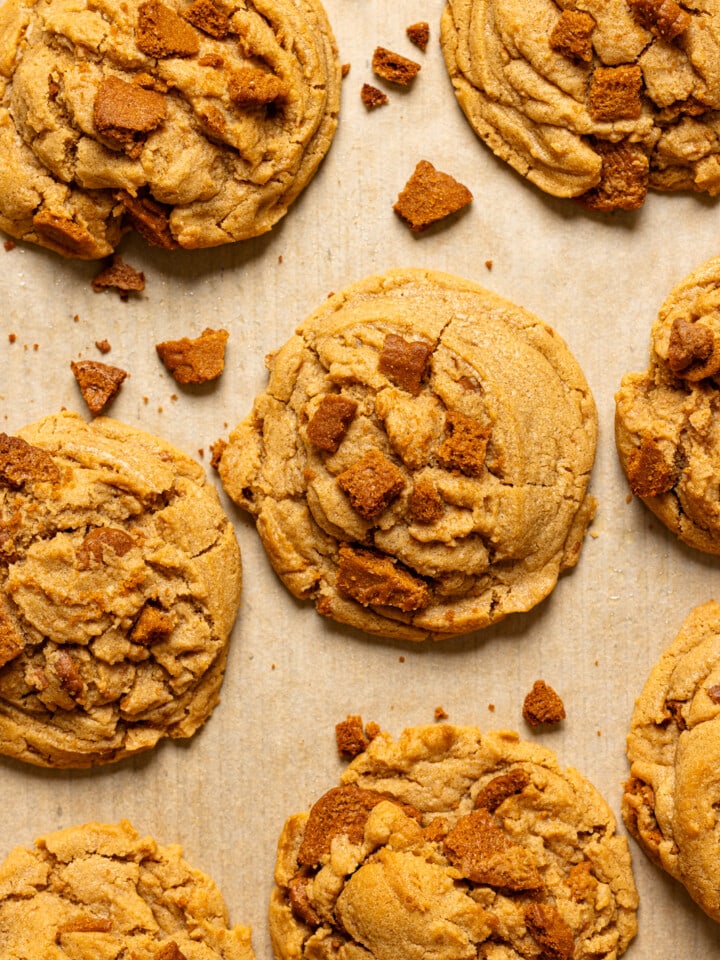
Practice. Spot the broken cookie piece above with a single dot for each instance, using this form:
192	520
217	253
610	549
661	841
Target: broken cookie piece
121	277
372	97
99	382
393	67
195	361
542	705
429	196
419	34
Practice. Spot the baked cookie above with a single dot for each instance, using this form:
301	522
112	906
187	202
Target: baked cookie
672	798
593	99
454	844
100	890
195	122
119	585
665	423
418	465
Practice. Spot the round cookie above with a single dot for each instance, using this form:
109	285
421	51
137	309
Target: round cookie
665	423
100	890
195	122
672	798
119	584
418	465
592	99
454	844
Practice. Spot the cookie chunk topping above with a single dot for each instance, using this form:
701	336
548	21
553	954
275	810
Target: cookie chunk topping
572	35
371	484
162	33
21	463
404	362
329	424
614	93
648	470
370	578
125	113
665	17
465	444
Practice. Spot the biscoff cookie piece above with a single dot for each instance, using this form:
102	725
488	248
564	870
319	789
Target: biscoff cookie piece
665	418
418	464
101	890
672	798
119	584
454	844
194	123
598	100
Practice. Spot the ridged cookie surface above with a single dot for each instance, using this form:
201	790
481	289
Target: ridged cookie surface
672	798
457	845
418	464
595	99
119	584
666	418
196	123
102	891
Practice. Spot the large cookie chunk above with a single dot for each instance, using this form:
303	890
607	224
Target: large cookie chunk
100	890
195	123
119	585
594	99
418	465
665	424
672	799
454	844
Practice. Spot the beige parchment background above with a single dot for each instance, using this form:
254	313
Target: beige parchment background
268	750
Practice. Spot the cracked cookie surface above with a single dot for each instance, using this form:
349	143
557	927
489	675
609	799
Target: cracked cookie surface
418	464
459	845
672	798
120	580
666	418
594	99
195	123
101	890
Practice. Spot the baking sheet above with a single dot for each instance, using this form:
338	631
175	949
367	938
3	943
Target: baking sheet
268	750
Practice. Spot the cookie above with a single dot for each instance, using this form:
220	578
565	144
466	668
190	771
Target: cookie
101	890
593	99
195	123
454	844
119	584
665	418
672	798
418	464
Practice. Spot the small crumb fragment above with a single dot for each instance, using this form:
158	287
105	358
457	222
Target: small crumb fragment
76	317
120	276
491	707
372	97
543	706
350	737
419	34
99	382
160	32
489	264
103	346
9	245
217	449
195	361
441	714
12	337
401	659
428	196
344	69
393	67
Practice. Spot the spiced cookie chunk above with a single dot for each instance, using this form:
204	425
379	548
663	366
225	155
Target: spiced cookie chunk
418	465
594	99
100	890
454	844
119	585
672	799
195	122
665	423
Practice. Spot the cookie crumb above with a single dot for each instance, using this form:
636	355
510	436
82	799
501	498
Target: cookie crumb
76	318
491	707
441	714
217	449
428	196
401	659
103	346
419	34
372	97
543	706
393	67
99	382
12	337
405	362
120	276
195	361
350	737
344	69
9	245
489	264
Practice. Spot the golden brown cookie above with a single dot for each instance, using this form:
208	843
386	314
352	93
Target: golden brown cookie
454	844
665	423
672	798
195	123
102	891
418	464
593	99
119	585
